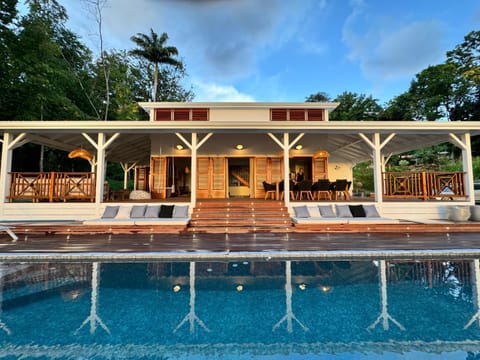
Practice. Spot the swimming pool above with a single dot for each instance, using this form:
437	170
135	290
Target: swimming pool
244	309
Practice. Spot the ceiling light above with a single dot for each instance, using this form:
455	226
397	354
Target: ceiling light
239	147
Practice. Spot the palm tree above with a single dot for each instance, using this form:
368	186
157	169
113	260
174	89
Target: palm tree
153	49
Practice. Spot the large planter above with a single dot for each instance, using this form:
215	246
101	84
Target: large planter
475	213
458	213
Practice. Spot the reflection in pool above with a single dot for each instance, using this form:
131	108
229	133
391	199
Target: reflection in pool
241	309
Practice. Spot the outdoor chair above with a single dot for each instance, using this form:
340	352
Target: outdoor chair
342	189
281	189
305	189
270	190
321	189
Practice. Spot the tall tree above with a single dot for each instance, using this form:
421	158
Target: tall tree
153	49
440	92
355	106
318	97
8	13
467	58
400	108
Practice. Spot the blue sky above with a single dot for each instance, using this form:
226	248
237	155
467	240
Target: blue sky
281	50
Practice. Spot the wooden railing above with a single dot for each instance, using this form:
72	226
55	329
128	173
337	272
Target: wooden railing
424	185
52	186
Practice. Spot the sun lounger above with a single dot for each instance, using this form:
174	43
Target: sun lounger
125	215
9	232
339	214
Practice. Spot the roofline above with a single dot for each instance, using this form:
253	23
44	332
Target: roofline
240	105
225	126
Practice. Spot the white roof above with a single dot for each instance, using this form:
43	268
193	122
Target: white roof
340	138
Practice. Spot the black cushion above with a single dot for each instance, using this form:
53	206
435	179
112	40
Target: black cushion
357	210
166	211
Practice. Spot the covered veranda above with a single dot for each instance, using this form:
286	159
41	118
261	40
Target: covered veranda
347	143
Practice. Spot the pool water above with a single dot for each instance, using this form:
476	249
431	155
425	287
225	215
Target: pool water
241	310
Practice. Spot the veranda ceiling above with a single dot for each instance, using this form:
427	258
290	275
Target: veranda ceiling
340	139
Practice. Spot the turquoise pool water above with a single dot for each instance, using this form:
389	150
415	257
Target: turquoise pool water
241	310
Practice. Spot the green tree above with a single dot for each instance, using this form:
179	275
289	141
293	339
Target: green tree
401	108
318	97
466	56
355	107
440	92
153	49
41	70
8	14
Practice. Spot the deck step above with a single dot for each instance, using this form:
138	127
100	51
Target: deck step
240	216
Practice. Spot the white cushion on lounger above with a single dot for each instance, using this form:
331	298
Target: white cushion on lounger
301	211
108	222
162	221
343	211
371	211
180	211
152	211
314	212
124	212
326	211
138	211
372	220
110	212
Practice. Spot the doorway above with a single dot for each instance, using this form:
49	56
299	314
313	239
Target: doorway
239	177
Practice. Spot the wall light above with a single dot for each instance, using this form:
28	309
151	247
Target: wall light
299	147
176	288
302	286
239	147
239	287
179	147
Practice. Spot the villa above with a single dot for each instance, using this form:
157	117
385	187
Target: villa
224	151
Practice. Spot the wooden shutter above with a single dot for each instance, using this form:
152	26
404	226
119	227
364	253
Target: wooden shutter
320	168
260	176
218	177
158	184
141	178
276	166
203	170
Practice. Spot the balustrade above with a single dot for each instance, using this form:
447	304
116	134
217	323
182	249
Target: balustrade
52	186
424	185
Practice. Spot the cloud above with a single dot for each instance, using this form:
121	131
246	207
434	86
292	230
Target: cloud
222	39
215	92
386	50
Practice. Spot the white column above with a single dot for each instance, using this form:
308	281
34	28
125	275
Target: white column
100	168
378	163
285	145
377	169
9	143
286	169
194	145
6	166
193	172
100	145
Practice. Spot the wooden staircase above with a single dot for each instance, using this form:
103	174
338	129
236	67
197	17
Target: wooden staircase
239	216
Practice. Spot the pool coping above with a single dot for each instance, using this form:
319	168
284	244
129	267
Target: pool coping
226	256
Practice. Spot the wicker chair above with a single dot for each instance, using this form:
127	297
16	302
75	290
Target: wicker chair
322	190
270	190
305	189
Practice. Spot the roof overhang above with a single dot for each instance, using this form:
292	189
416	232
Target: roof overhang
341	139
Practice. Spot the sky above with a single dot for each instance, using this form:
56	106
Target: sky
286	50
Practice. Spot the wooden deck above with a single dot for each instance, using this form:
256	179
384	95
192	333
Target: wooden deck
77	242
228	229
